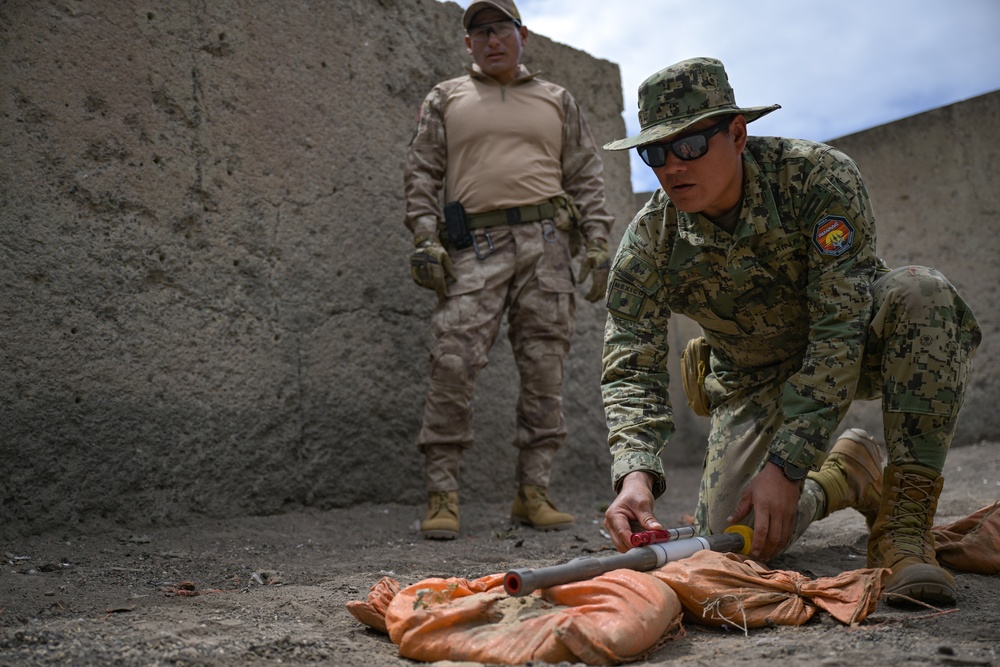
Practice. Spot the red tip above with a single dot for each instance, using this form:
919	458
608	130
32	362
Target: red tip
640	539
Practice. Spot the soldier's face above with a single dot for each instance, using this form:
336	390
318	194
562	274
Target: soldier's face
711	184
497	56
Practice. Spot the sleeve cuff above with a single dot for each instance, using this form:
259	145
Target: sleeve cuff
797	451
628	462
426	226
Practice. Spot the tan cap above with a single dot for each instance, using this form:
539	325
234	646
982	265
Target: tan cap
506	6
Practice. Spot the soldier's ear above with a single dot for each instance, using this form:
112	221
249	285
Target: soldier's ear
738	131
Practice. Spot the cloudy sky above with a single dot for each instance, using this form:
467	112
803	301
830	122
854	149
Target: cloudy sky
834	67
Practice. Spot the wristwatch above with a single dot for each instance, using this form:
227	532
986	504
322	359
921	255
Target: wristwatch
792	472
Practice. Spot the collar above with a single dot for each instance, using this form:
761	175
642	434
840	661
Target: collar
758	214
522	74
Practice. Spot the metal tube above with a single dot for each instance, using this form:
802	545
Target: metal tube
524	581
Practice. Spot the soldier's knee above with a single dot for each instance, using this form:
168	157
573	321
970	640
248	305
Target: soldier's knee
542	360
450	368
922	293
914	284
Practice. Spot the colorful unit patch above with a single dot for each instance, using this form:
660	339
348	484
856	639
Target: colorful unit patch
833	235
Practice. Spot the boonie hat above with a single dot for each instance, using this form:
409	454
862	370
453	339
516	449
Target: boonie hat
681	95
506	6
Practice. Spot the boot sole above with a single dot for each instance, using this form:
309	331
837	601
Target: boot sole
439	534
923	583
930	593
876	464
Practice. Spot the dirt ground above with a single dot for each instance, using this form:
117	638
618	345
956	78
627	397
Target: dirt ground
270	590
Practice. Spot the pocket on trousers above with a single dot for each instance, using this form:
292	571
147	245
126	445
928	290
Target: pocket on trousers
554	271
555	283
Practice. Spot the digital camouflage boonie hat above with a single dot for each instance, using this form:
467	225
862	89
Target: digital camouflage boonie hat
506	6
681	95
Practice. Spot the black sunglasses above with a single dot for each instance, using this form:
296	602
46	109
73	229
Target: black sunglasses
691	147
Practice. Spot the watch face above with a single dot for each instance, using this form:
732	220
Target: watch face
792	472
795	473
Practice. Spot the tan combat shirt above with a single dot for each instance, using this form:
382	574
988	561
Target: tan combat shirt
789	289
494	147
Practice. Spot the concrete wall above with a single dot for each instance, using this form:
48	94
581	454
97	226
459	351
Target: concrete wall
205	295
207	306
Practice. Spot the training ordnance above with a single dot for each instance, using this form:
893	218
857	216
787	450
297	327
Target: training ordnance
645	537
525	580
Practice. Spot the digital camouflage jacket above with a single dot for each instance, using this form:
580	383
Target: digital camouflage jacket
785	298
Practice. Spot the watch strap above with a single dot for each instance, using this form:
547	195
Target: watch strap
793	472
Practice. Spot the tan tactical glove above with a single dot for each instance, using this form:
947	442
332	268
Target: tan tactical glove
596	262
695	363
430	264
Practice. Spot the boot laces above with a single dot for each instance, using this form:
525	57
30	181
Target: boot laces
909	521
543	495
439	502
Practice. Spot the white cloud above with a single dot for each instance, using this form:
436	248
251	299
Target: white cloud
836	68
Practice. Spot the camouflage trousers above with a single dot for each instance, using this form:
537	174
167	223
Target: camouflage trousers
917	359
528	276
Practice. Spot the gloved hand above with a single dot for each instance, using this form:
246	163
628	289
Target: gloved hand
596	262
430	265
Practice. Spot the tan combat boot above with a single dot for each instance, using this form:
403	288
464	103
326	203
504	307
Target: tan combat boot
441	521
901	538
851	476
532	507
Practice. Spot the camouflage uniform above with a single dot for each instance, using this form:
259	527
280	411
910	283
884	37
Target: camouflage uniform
802	317
527	274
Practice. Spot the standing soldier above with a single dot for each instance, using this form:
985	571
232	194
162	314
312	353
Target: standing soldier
522	180
769	244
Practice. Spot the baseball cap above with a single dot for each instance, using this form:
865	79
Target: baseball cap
506	6
679	96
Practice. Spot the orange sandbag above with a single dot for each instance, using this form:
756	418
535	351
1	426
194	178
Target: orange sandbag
372	611
610	619
725	589
971	544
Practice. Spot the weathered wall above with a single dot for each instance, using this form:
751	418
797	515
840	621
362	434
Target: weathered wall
207	305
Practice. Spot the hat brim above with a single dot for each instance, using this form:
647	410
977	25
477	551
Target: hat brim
671	127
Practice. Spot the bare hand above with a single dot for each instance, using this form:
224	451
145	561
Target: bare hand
774	500
634	503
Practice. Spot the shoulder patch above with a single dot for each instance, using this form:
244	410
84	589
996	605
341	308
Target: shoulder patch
833	235
625	299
